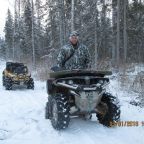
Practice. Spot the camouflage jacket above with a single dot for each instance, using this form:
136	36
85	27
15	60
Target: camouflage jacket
74	58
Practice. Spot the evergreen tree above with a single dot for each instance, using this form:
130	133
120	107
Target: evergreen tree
38	29
9	35
27	30
2	48
47	29
136	32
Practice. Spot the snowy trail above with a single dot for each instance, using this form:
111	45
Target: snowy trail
22	121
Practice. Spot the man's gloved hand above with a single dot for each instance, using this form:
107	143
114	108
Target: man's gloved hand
56	68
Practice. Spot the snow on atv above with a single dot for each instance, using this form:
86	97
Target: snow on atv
80	93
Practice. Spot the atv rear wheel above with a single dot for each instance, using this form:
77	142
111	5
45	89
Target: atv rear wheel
3	80
113	110
47	112
30	84
59	111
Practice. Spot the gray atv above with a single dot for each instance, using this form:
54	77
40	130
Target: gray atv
80	93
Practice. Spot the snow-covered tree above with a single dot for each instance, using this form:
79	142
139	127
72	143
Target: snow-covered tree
136	32
9	35
27	29
2	48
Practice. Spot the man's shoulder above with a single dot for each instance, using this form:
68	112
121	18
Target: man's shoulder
66	46
83	46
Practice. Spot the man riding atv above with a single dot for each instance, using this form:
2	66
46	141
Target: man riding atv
74	55
73	90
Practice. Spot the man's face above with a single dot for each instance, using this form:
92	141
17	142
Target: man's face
73	40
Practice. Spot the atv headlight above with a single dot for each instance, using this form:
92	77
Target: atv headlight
28	75
70	82
15	78
63	81
101	81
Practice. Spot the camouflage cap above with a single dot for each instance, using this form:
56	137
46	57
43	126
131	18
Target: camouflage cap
74	33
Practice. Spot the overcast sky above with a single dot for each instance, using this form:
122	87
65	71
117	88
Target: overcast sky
4	5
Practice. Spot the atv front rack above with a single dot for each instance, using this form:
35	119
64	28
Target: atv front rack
101	83
79	88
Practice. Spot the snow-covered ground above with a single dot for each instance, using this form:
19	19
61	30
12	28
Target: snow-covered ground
22	120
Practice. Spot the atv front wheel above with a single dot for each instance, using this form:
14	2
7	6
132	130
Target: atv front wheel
113	110
30	84
59	109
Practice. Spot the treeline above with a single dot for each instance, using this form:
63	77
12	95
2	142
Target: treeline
113	30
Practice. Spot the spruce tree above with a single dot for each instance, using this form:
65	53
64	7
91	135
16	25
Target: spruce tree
9	35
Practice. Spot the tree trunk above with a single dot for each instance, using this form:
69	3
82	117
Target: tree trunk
114	15
18	48
72	15
125	31
33	47
14	31
118	32
62	22
96	41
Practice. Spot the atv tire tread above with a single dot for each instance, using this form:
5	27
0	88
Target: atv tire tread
30	84
113	113
62	111
3	80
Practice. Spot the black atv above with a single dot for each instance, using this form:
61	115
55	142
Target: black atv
80	93
16	74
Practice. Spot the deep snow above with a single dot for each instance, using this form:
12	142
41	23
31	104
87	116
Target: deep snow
22	120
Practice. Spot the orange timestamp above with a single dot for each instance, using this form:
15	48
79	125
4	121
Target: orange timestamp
127	123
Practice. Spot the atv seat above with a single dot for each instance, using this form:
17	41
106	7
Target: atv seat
10	66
